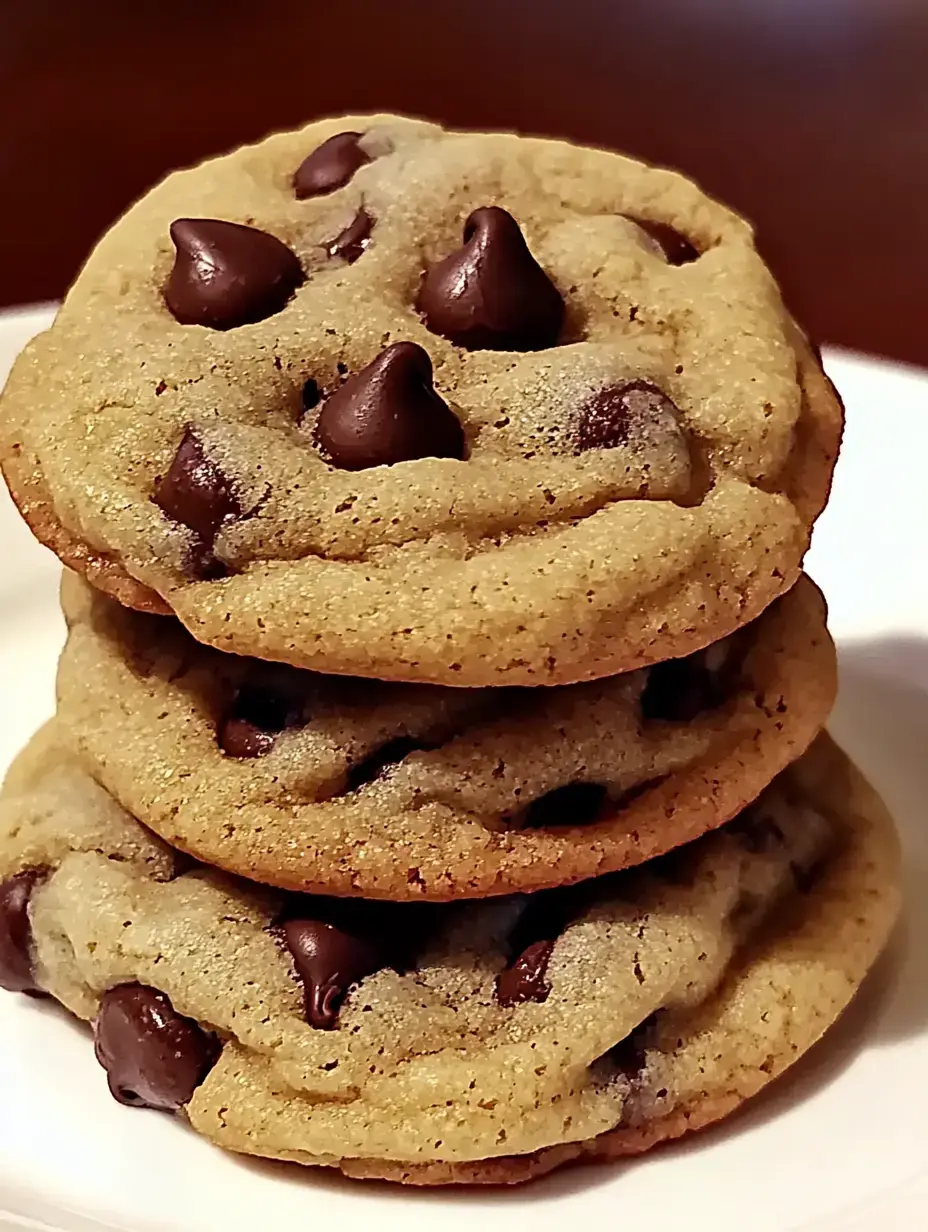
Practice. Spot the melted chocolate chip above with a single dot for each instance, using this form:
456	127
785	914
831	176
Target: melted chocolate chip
547	913
329	960
574	804
239	738
492	294
525	979
614	415
227	275
154	1058
258	713
330	166
16	974
196	493
677	690
351	243
676	248
531	942
388	413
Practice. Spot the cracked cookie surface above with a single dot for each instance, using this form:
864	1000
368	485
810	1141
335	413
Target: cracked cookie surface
468	409
352	787
664	996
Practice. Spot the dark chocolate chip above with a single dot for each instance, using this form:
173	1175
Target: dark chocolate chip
195	492
399	930
525	979
545	917
239	738
676	248
16	974
330	166
612	415
387	413
226	274
351	243
574	804
328	961
258	712
154	1058
677	690
492	294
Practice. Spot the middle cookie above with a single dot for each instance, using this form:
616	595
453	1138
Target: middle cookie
335	785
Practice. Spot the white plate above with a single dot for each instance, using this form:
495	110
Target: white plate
840	1144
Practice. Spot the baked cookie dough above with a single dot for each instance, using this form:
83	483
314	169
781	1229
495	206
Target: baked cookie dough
481	1041
354	787
378	399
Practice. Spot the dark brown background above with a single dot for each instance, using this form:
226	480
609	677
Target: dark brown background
809	115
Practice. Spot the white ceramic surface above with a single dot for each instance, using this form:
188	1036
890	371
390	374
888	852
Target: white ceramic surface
841	1145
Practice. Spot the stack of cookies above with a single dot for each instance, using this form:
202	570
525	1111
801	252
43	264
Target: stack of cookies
437	789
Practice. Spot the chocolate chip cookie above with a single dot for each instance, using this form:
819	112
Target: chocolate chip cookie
378	399
344	786
482	1041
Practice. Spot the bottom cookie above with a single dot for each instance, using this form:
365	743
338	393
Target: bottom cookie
477	1042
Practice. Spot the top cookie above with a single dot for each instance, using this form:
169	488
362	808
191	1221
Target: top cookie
472	409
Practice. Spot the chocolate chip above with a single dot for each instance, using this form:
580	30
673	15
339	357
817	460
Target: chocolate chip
16	974
525	979
239	738
330	166
387	413
195	492
351	243
677	690
328	961
492	294
614	415
226	274
258	712
154	1058
574	804
676	248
